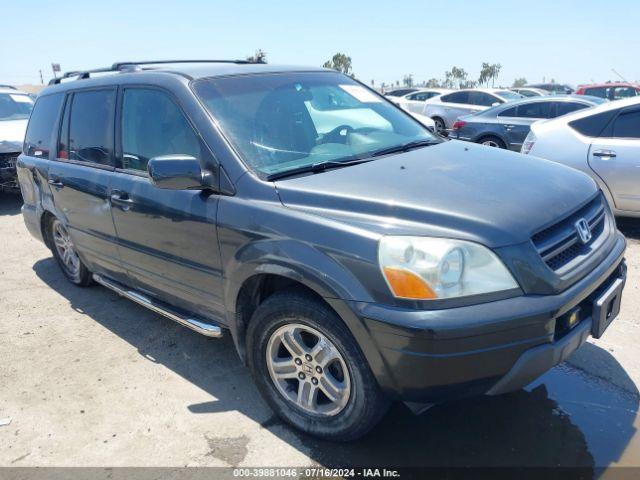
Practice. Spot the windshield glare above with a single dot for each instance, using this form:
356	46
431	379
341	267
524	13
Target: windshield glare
15	106
281	122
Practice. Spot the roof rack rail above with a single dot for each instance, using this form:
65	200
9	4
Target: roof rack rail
131	66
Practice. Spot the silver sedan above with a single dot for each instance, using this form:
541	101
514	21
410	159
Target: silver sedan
604	142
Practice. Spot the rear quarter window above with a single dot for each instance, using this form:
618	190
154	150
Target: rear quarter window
593	125
40	132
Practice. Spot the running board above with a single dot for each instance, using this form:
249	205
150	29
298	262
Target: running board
200	326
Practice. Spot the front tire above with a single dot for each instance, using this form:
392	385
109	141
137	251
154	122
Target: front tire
65	254
440	125
310	370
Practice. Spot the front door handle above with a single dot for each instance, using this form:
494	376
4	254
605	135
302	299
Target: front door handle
121	199
604	154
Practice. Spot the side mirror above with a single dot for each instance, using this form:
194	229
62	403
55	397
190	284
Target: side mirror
179	172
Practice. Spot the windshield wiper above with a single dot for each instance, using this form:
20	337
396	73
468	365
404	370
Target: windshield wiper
317	167
405	147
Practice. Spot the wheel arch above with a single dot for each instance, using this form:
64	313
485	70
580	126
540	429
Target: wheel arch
267	278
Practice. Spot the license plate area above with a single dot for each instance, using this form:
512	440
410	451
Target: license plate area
606	307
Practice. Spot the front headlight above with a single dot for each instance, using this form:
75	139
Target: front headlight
426	268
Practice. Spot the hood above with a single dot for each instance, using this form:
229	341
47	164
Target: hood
13	130
10	147
454	189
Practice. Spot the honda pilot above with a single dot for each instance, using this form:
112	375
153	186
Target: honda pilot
354	257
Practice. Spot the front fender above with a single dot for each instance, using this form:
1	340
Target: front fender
319	272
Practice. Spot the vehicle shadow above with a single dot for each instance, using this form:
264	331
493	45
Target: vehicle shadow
630	227
10	203
533	427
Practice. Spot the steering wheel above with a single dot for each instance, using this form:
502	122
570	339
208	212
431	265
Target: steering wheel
337	135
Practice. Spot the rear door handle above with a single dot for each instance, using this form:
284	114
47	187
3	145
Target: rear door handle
509	127
55	182
604	154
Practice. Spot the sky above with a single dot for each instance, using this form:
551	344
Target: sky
570	41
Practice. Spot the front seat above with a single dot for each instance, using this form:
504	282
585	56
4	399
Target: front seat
284	130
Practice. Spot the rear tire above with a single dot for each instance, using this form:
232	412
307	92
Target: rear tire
283	333
491	141
65	254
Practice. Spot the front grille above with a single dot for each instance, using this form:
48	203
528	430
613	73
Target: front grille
559	245
8	170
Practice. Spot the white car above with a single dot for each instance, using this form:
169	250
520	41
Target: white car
414	101
603	142
15	108
445	109
530	92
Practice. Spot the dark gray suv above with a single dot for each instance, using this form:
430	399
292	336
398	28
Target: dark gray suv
354	257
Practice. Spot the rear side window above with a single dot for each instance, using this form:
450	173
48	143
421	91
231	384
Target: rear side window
562	108
509	112
43	119
535	110
153	125
483	99
593	125
456	97
623	92
597	92
627	125
91	126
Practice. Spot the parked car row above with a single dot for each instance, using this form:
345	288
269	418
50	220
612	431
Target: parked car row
507	125
603	142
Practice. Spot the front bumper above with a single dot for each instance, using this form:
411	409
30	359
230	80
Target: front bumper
495	347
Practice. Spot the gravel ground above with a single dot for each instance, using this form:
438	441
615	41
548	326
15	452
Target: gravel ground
90	379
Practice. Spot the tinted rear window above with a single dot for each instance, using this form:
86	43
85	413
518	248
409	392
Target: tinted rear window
593	125
43	119
456	97
627	125
91	126
567	107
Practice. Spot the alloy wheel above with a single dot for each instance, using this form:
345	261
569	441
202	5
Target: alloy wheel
65	249
308	370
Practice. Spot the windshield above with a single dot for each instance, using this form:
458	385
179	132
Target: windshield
281	122
508	95
15	106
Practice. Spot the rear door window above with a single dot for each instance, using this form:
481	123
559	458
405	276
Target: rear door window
91	127
535	110
456	97
562	108
627	124
597	92
483	99
41	125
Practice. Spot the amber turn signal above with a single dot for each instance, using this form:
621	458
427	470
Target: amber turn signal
406	284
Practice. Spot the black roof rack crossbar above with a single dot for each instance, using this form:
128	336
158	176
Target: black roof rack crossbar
118	66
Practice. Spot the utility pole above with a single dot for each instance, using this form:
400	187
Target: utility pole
41	79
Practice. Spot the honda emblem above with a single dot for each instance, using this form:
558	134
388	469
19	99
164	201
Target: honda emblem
584	230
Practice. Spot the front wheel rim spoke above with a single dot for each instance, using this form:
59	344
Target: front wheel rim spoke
332	389
307	394
284	369
292	343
